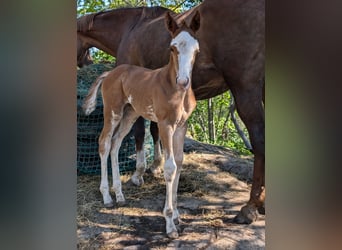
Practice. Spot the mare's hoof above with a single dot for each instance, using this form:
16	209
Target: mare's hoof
138	181
173	235
247	215
109	205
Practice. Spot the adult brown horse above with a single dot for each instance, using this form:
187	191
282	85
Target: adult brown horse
232	57
96	30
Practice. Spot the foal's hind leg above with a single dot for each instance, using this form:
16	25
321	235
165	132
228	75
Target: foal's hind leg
125	125
110	122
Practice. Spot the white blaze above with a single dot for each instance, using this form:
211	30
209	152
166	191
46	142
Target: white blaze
186	46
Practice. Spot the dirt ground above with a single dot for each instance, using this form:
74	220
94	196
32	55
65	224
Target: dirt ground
214	184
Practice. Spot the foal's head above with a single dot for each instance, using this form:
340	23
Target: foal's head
184	47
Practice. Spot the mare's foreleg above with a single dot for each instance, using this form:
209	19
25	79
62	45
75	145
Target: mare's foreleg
170	168
125	125
157	161
139	135
110	122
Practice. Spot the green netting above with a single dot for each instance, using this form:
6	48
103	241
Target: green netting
89	129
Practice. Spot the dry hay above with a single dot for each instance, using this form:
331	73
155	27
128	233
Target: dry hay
192	184
208	199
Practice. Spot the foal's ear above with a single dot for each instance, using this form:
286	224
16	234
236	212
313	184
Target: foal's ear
196	21
171	24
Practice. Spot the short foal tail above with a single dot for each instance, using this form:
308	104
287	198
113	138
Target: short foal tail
90	100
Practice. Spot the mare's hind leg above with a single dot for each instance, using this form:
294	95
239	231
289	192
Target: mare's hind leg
250	108
110	122
139	135
126	123
157	161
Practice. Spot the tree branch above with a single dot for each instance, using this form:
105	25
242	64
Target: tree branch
232	109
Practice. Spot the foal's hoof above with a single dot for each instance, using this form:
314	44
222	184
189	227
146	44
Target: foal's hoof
109	205
121	203
177	221
173	235
247	215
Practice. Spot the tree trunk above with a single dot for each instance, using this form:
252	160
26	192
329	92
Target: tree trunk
211	124
236	124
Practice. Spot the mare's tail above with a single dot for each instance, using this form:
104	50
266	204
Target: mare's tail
89	104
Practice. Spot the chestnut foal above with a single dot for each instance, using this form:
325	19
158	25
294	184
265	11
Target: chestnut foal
164	96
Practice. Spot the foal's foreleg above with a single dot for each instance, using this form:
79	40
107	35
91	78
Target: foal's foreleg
170	168
178	149
125	125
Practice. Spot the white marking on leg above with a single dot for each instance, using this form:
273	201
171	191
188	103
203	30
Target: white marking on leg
104	186
115	118
169	175
130	99
116	171
170	168
175	215
178	141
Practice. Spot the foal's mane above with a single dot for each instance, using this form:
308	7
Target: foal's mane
85	23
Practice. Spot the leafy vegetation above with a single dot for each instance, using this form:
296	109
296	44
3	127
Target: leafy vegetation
90	6
217	118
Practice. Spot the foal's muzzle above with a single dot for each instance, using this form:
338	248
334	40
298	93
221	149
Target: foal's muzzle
184	83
